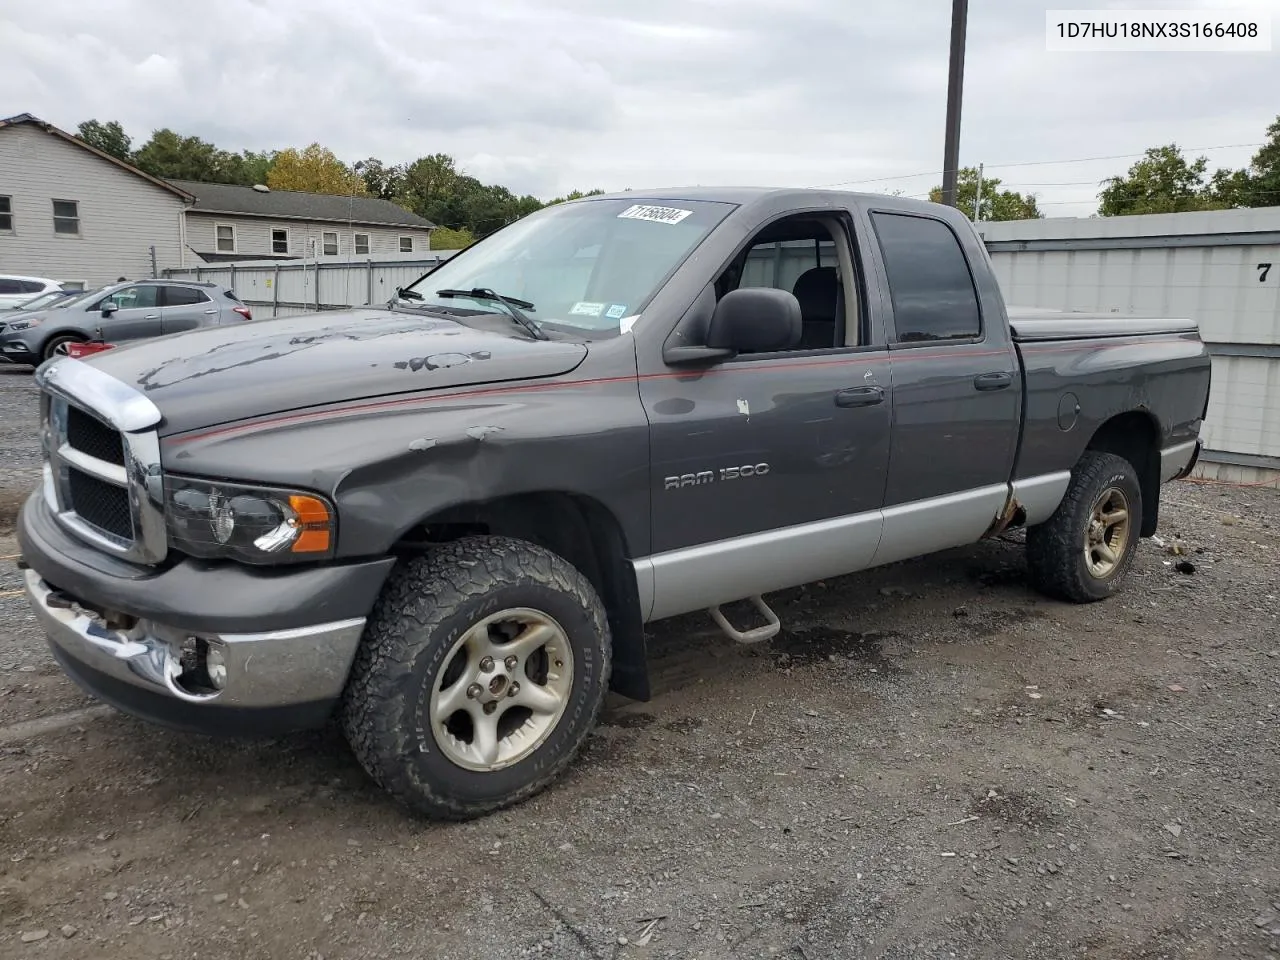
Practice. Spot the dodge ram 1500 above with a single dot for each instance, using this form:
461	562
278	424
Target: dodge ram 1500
446	521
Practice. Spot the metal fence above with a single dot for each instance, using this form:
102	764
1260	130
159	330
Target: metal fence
274	288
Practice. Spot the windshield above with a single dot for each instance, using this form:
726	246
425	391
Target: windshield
80	299
35	303
583	266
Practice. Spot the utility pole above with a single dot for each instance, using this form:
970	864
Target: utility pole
977	201
955	84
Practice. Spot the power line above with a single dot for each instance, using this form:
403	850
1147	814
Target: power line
1248	195
1029	163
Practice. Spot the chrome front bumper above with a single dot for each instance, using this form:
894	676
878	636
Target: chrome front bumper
279	669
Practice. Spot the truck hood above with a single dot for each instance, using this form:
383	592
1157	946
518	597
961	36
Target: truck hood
233	372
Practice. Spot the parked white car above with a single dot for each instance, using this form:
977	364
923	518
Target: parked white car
15	291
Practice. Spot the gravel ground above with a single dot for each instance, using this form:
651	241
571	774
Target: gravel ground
19	440
931	761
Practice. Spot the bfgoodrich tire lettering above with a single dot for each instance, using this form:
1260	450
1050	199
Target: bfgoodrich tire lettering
1082	553
429	604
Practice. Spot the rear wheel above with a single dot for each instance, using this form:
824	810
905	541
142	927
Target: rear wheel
483	669
57	345
1083	552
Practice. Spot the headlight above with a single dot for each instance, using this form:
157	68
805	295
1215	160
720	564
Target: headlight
250	524
15	325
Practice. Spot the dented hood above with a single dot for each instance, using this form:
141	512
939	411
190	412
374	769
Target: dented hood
223	374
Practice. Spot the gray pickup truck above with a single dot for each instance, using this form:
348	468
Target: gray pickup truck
447	521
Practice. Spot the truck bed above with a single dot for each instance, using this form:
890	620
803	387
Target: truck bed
1033	324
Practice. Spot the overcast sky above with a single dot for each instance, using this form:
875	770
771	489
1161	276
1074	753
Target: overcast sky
547	95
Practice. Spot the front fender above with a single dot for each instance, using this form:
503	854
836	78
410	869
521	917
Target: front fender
387	467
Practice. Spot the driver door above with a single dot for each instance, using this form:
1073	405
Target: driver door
770	468
137	314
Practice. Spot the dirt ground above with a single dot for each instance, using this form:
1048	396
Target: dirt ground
931	762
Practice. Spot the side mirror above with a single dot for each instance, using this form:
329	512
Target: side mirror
109	307
755	320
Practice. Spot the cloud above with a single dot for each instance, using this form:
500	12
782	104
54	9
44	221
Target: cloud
570	94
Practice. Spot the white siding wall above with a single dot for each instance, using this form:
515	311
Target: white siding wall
253	236
121	214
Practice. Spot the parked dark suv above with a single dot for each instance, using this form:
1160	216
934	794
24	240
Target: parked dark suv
117	314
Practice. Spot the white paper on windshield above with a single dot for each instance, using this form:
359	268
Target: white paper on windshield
654	214
582	309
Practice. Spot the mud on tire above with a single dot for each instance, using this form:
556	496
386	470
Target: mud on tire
431	617
1074	555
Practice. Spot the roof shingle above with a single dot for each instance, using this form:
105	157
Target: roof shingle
288	204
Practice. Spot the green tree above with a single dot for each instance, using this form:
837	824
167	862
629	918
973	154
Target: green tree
108	137
172	156
574	195
381	180
1262	180
247	168
428	186
314	170
995	204
446	238
1164	182
1233	188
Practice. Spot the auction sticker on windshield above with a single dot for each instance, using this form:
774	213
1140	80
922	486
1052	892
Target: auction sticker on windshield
654	214
582	309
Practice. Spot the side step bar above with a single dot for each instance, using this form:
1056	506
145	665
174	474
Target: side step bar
755	635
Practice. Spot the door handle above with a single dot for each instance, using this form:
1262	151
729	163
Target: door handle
860	397
210	313
992	381
152	316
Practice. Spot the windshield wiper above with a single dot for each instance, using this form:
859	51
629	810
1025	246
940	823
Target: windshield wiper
405	294
518	315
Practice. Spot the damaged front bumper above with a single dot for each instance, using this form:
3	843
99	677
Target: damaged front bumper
210	649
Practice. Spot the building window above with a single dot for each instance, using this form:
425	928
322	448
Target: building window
406	244
279	241
330	241
362	243
6	214
66	217
226	234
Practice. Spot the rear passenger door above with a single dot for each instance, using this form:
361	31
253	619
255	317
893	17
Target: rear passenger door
186	308
137	315
956	388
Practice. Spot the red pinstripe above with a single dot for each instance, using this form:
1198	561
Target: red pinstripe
525	387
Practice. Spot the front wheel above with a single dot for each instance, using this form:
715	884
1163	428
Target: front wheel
1083	552
483	669
57	345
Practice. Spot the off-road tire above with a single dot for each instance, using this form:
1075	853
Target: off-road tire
426	605
50	349
1056	548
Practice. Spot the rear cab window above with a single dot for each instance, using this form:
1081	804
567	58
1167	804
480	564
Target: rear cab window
930	284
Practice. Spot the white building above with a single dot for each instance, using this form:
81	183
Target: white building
72	213
229	223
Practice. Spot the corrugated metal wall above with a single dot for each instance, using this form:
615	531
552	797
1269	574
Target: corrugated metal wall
1220	268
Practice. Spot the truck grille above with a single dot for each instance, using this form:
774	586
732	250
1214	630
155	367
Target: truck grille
102	461
91	436
101	504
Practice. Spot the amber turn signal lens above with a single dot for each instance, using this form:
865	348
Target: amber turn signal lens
314	518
